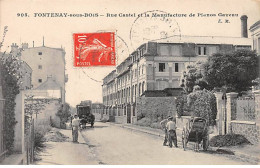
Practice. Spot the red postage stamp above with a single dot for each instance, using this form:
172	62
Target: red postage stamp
94	49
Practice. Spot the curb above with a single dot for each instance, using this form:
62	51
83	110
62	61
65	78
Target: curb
242	156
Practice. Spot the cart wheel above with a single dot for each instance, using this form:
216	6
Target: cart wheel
184	139
206	142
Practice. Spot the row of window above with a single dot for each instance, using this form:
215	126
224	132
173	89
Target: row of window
163	69
125	93
175	50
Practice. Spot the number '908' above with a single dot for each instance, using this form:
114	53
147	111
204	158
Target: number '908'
22	15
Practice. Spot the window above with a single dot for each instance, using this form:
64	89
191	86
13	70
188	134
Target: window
139	89
258	47
39	66
142	69
161	67
40	80
143	87
39	53
176	67
201	50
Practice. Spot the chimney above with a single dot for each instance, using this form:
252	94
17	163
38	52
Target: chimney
14	47
244	26
25	45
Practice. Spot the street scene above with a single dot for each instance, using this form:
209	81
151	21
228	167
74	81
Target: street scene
111	144
169	86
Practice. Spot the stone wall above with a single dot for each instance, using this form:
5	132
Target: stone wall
120	119
249	129
48	115
155	107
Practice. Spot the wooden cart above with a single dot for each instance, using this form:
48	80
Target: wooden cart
196	130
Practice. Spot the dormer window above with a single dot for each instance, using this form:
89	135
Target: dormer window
202	50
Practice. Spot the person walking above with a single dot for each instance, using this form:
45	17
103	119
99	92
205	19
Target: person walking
75	128
163	124
171	128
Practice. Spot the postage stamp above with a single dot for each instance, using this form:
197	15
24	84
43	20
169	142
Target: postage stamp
94	49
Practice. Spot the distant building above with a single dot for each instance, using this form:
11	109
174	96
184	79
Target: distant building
26	81
156	66
255	33
45	62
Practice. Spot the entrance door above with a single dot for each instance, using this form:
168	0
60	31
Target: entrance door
128	111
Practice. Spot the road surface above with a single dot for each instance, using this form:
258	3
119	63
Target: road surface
114	145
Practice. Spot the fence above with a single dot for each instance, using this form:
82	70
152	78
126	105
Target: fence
245	109
238	115
2	123
29	140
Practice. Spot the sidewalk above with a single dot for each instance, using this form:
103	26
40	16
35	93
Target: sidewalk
248	153
67	153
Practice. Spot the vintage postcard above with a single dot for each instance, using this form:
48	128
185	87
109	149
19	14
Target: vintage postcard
114	82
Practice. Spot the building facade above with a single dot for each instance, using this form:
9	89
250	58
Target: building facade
157	66
255	33
45	62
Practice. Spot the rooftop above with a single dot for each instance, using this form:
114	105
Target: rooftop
206	40
49	84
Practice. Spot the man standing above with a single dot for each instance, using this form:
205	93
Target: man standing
163	124
75	128
171	128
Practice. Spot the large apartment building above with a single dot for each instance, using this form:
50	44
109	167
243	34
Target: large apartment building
47	65
158	65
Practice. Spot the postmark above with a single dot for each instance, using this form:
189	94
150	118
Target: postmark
154	26
96	73
94	49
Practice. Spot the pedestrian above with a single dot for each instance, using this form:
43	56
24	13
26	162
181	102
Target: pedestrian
75	128
171	128
163	124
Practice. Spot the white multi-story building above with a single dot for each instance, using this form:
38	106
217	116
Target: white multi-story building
155	66
46	64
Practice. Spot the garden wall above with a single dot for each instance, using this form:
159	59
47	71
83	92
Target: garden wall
249	129
155	108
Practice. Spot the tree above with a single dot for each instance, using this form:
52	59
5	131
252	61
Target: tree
10	82
193	76
202	103
63	113
235	70
33	106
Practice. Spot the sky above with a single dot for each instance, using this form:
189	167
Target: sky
85	83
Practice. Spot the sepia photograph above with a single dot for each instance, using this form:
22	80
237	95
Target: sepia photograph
114	82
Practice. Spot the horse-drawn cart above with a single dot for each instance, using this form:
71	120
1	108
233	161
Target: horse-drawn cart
196	130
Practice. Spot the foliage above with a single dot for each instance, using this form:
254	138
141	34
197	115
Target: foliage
10	65
228	140
64	113
234	70
39	143
146	122
33	106
256	83
193	76
202	103
181	105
